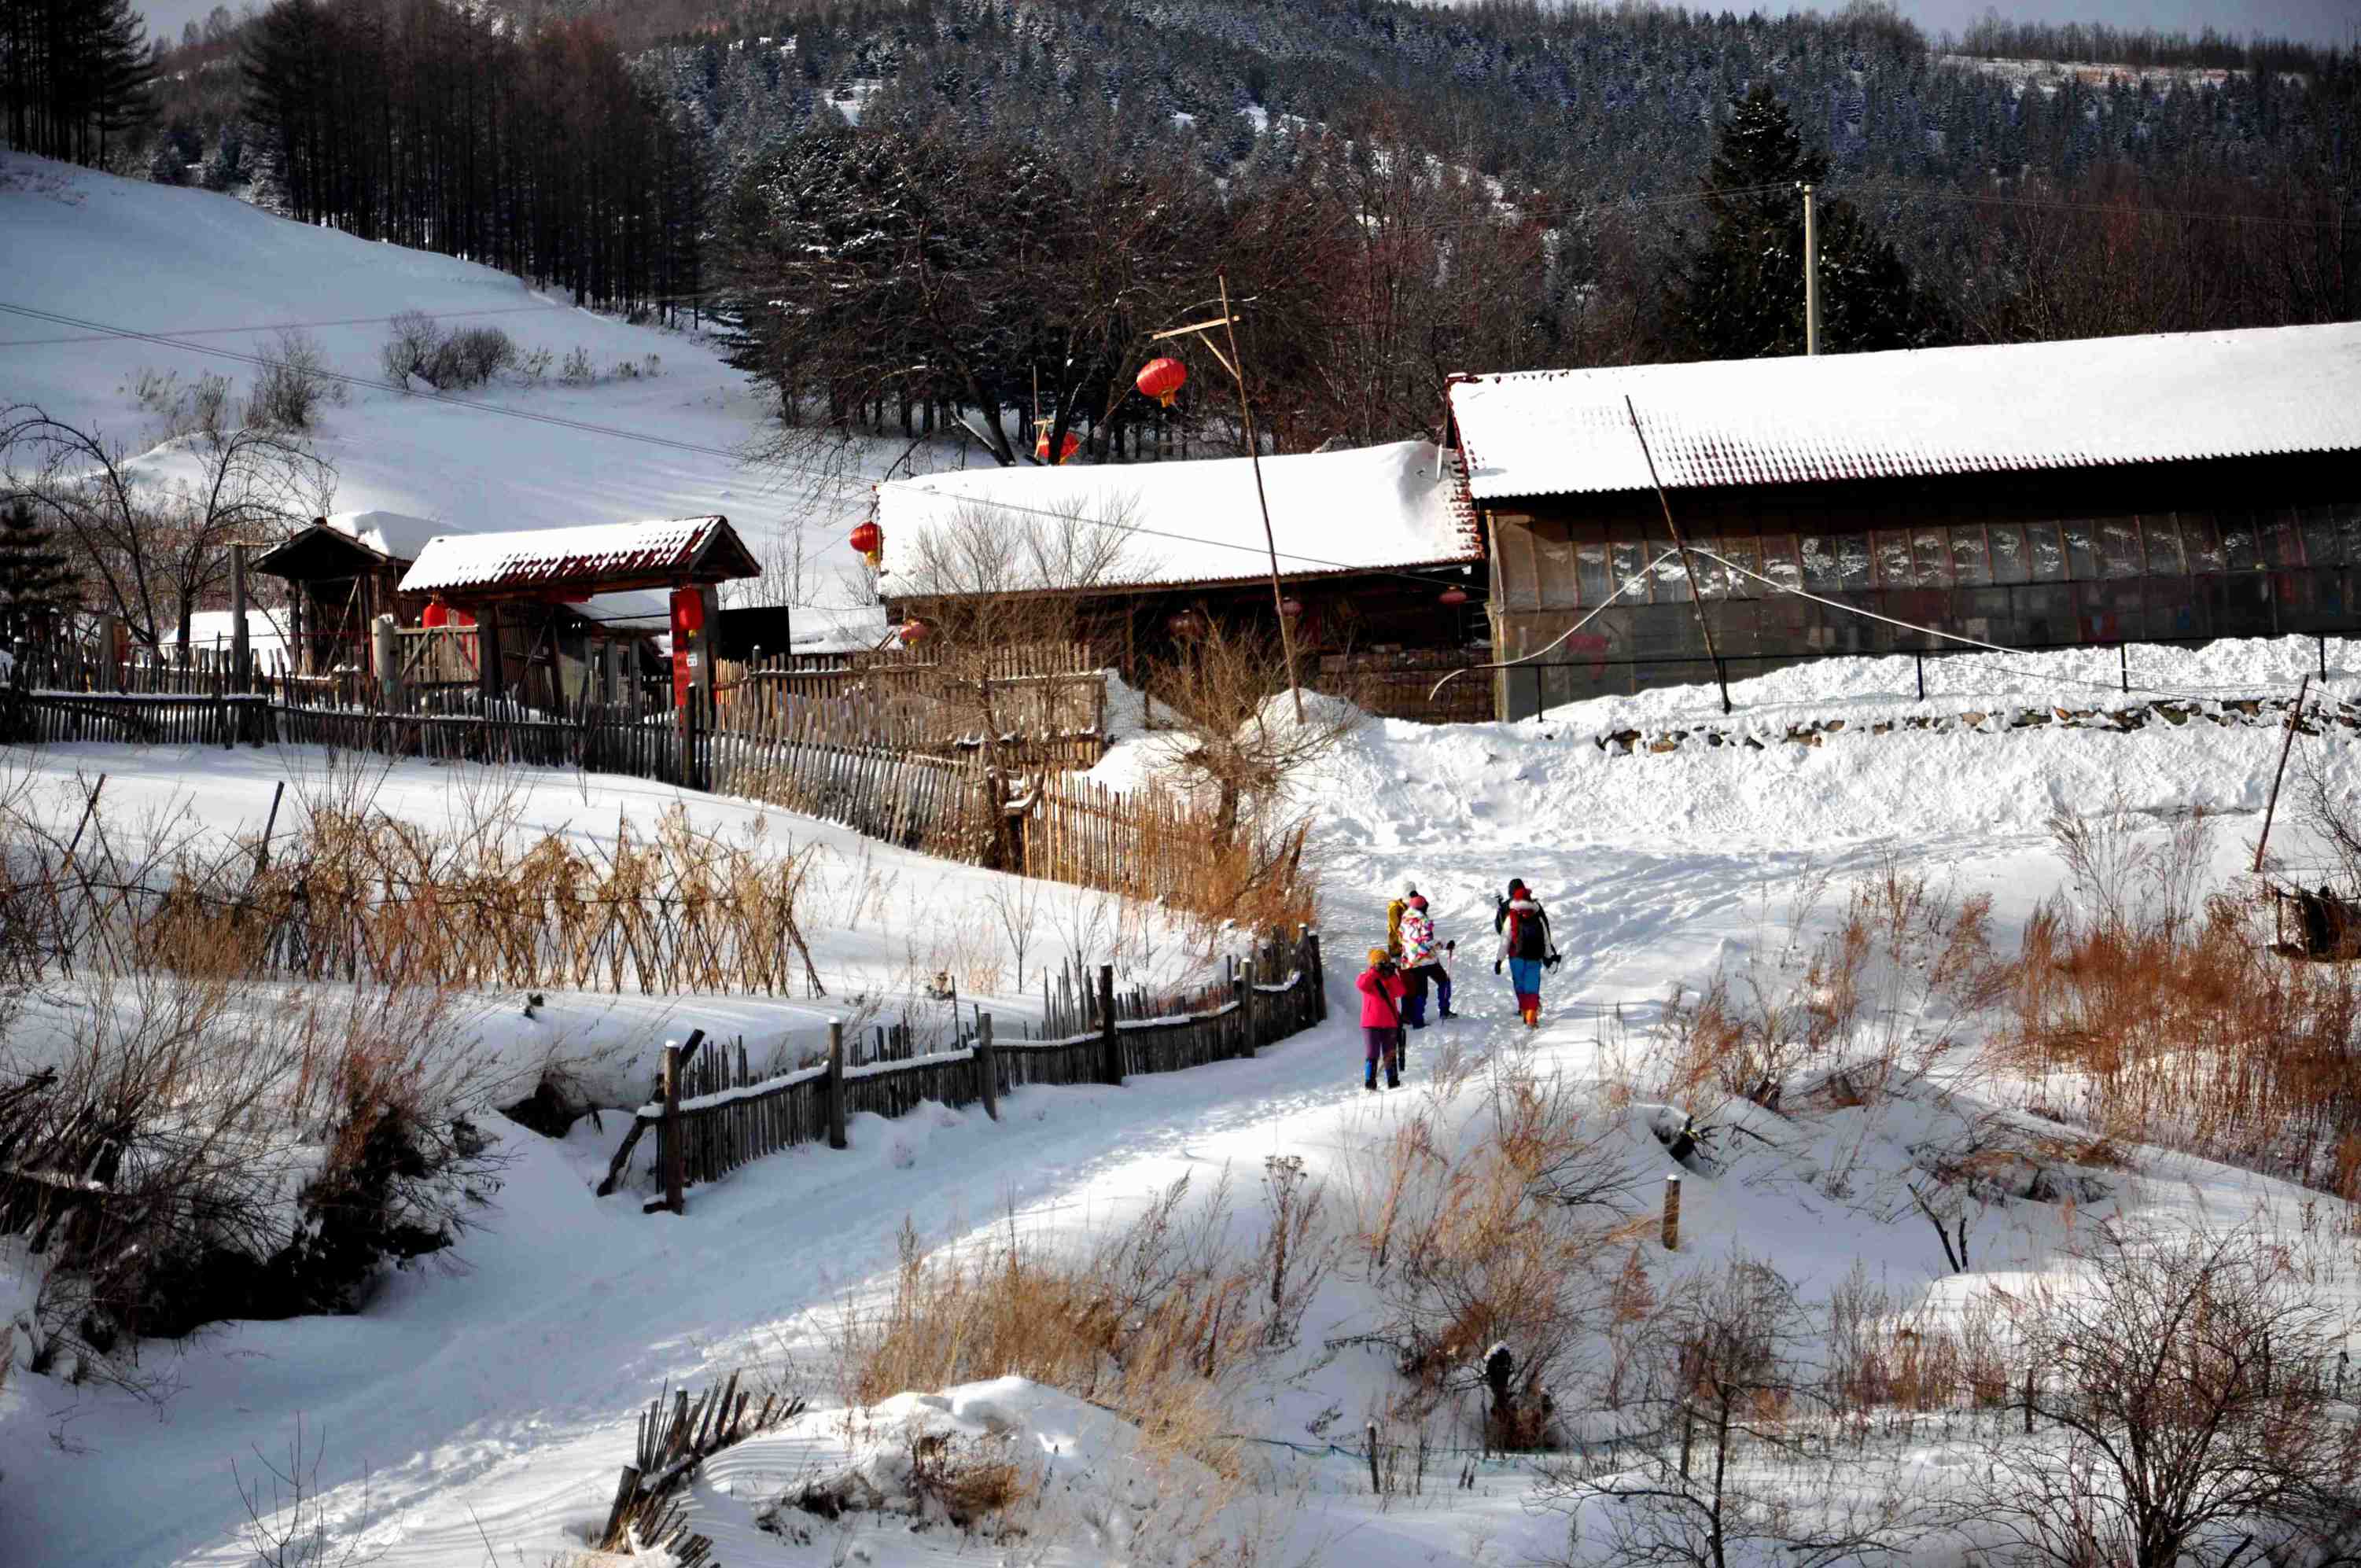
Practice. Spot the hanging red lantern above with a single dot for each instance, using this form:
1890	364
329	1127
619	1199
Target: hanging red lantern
1183	624
1290	607
869	540
1163	379
915	630
1066	448
1455	595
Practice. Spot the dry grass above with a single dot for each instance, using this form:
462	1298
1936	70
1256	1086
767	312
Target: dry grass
2153	1017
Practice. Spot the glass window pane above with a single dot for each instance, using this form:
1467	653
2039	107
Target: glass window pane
2048	556
1723	582
1823	562
1893	568
2119	548
1933	548
2082	556
2160	544
2322	547
1780	561
2200	538
1624	561
2238	550
2010	564
1971	568
1853	560
2348	528
1591	581
2275	538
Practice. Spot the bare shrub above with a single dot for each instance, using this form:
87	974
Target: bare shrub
419	345
287	1518
1236	740
295	384
1725	1458
2185	1409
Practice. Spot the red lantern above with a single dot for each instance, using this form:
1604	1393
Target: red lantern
1066	448
1290	607
1163	379
915	630
1455	595
1183	624
869	540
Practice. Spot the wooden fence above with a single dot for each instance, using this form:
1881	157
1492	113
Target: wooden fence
711	1116
1031	706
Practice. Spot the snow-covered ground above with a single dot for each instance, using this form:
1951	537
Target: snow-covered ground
482	1411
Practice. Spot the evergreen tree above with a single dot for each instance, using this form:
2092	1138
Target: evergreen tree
37	579
1741	292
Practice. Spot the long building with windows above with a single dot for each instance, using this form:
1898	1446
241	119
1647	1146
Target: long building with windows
2181	487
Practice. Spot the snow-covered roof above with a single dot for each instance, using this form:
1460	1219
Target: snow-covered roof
1915	412
395	535
556	557
1369	508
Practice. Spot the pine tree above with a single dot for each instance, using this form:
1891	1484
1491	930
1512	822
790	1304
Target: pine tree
1740	293
37	579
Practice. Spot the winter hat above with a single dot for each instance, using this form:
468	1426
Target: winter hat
1417	901
1410	890
1377	955
1516	886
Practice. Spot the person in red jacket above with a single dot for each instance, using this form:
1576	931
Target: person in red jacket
1382	990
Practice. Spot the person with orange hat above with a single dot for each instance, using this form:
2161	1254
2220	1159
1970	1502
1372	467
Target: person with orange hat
1382	990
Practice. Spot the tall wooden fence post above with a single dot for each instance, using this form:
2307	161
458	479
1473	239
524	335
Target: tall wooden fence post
669	1140
1314	975
1673	1213
240	649
1111	1040
385	652
1250	1002
835	1138
987	1066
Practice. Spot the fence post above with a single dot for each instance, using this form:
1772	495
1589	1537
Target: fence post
385	650
1110	1041
987	1066
1921	659
835	1138
1249	1003
668	1131
2323	640
240	647
2123	658
1319	978
1673	1212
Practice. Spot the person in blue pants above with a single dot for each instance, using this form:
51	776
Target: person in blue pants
1525	948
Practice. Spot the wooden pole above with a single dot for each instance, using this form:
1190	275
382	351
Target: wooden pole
385	650
1110	1040
239	645
2272	805
668	1135
1673	1213
987	1066
1697	596
1238	367
835	1138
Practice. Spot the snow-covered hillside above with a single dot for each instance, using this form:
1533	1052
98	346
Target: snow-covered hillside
656	430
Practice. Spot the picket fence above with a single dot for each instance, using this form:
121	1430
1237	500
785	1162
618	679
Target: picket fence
711	1115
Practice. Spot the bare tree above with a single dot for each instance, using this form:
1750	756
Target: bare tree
2186	1382
1216	693
151	534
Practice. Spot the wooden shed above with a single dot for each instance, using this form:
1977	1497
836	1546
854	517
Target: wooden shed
2178	487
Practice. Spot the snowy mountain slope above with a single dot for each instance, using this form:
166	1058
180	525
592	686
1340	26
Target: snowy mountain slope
222	274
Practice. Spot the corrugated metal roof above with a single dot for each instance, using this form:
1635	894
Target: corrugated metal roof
1995	408
553	556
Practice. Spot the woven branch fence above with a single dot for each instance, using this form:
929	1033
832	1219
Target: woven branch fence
711	1116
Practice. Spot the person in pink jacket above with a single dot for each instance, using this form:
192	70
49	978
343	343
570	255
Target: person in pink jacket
1382	990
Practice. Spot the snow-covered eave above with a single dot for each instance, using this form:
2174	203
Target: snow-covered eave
1186	584
1505	490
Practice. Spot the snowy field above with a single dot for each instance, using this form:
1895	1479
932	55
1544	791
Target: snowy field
478	1412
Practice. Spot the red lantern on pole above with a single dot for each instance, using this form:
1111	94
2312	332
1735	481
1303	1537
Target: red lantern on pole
1455	595
869	540
1163	379
1066	448
915	631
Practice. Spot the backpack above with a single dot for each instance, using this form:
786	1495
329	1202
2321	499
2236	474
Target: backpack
1528	933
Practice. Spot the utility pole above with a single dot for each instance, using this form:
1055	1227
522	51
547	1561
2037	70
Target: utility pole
1811	273
1235	363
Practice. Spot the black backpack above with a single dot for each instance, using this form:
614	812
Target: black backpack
1532	933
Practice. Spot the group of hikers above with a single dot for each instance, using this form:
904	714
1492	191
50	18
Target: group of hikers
1394	987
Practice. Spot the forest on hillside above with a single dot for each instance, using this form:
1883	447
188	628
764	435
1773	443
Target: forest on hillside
1399	189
